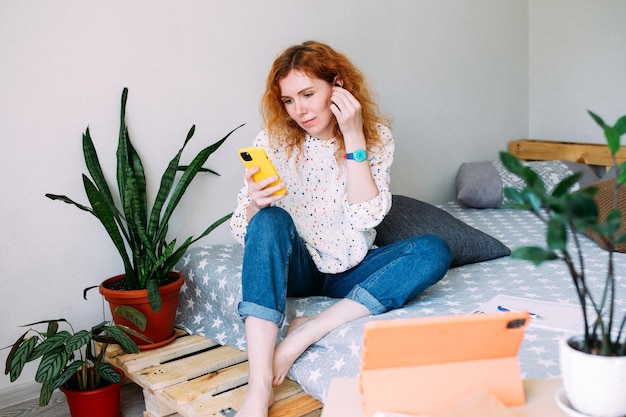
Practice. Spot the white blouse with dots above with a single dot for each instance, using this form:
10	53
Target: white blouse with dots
336	233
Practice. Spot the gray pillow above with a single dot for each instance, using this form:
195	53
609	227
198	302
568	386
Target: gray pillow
409	217
480	184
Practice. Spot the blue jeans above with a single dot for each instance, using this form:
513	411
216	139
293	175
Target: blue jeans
277	265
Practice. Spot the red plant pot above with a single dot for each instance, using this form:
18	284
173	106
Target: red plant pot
101	402
160	326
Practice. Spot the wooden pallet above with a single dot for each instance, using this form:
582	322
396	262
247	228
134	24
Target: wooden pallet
194	376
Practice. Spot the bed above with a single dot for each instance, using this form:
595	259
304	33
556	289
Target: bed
480	234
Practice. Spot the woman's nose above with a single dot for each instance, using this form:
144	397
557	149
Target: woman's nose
300	108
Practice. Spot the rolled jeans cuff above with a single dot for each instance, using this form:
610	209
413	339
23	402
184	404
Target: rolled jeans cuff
362	296
246	308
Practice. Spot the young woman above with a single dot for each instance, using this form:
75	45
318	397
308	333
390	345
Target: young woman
333	151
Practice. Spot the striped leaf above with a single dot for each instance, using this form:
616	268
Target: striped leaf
109	373
51	365
77	340
46	393
52	342
19	356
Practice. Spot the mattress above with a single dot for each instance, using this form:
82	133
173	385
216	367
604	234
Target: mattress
209	298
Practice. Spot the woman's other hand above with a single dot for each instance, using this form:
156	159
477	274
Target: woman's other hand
347	111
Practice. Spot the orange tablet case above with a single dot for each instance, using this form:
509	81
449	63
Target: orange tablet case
425	365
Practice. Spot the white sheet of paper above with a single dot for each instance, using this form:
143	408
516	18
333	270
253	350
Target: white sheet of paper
556	316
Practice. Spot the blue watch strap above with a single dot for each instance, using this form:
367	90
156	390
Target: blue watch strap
358	155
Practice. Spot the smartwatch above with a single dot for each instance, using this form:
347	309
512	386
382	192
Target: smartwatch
359	155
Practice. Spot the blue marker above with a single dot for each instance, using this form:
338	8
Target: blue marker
532	315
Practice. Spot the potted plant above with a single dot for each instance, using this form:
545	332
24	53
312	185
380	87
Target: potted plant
140	232
603	345
71	361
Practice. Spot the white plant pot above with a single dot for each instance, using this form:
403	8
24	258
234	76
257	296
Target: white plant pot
595	385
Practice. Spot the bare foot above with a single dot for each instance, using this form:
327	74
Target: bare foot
299	337
304	331
257	402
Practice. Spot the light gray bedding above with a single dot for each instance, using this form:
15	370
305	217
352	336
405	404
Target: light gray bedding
212	291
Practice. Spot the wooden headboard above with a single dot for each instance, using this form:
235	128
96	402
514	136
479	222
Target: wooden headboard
545	150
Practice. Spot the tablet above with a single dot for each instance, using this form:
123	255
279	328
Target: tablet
424	365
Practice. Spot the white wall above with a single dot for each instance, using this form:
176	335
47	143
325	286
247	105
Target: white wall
454	74
577	63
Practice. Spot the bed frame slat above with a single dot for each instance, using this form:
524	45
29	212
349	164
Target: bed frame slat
544	150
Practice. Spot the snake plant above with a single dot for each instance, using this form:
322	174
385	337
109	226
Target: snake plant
140	232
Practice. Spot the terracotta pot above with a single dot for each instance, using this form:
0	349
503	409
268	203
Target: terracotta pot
160	326
102	402
594	384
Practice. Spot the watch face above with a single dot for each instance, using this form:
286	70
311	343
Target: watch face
360	155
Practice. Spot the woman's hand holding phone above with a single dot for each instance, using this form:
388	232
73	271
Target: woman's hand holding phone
264	185
265	191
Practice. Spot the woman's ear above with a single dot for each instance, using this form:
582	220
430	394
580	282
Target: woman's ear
338	81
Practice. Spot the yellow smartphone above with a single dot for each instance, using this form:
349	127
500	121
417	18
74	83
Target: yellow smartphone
256	156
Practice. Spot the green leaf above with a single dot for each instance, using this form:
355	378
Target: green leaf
44	321
122	153
154	296
210	171
187	177
122	339
612	134
67	374
108	373
11	355
108	219
534	199
612	139
133	333
157	271
135	205
516	197
621	178
556	234
582	206
511	163
534	254
94	168
208	230
19	356
48	345
69	201
136	317
77	340
597	119
165	187
53	326
620	126
566	185
46	393
99	328
51	365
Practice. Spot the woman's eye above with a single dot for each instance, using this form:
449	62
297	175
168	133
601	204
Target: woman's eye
308	95
287	101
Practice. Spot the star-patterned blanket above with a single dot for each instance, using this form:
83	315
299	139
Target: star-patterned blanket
209	298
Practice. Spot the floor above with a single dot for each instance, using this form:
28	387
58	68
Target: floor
131	403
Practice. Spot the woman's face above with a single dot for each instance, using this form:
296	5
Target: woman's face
307	101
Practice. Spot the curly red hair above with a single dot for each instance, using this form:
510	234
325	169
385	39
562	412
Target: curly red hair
316	60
